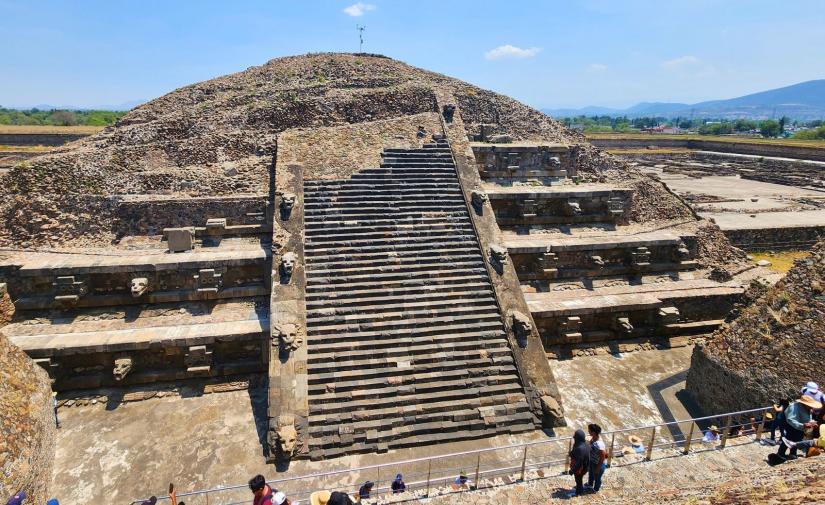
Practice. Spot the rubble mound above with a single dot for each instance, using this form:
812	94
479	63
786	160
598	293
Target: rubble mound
218	138
771	349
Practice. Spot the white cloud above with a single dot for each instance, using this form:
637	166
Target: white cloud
509	51
681	62
596	68
358	9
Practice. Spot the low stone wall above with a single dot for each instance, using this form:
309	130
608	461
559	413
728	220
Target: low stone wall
776	239
26	422
717	389
151	216
39	139
338	152
758	149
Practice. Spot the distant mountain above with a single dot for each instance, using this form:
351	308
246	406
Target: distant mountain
805	100
125	106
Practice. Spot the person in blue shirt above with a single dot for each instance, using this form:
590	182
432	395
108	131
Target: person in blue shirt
797	418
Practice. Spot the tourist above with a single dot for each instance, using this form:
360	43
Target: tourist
598	455
805	445
812	389
778	419
261	491
280	499
712	434
17	499
461	480
398	485
636	444
365	490
151	501
327	498
797	419
579	461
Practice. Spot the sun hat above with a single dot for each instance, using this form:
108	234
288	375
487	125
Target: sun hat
634	440
769	416
812	387
279	498
319	497
713	427
810	402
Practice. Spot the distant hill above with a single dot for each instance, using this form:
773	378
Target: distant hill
125	106
805	100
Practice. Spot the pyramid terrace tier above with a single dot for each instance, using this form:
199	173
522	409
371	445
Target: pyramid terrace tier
525	206
624	308
542	257
69	281
523	161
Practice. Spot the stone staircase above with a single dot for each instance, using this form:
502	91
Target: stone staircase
406	344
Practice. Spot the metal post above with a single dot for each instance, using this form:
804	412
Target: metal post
378	478
524	464
567	459
610	452
689	438
761	428
429	469
726	432
650	445
478	470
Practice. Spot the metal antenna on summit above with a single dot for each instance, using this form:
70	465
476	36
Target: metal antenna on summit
360	29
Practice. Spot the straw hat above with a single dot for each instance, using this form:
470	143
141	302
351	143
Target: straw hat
769	416
319	497
714	428
634	440
810	402
627	451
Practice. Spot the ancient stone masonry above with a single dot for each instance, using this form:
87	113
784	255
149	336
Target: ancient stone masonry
534	370
406	343
584	277
771	349
288	410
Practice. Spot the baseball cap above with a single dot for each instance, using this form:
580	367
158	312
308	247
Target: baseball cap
279	498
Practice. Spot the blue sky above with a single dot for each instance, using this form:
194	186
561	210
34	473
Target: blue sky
545	53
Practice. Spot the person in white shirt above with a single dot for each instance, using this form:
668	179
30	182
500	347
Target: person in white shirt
598	454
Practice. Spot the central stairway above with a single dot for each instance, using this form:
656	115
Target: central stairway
405	339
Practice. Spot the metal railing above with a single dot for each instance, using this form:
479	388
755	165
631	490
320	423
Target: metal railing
487	467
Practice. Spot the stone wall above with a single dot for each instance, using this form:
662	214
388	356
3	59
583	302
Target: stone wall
338	152
38	139
755	148
27	428
776	239
771	349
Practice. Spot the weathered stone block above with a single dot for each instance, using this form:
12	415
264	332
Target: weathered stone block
180	239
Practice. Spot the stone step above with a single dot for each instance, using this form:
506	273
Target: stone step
391	257
385	314
384	223
344	234
410	244
345	187
429	155
385	229
401	192
390	176
357	245
419	150
468	317
388	272
466	287
425	384
450	215
428	164
388	285
437	333
376	210
439	298
321	354
418	356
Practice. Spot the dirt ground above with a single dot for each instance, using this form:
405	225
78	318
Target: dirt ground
134	450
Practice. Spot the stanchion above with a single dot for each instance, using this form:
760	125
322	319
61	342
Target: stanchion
650	445
689	438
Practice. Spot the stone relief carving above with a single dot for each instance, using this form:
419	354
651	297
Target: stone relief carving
284	436
287	204
288	262
498	254
522	326
448	111
288	337
623	325
479	198
139	286
122	368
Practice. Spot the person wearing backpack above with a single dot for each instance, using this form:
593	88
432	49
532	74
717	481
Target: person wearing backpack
261	491
598	454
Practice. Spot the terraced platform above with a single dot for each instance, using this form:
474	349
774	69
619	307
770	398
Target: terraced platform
406	345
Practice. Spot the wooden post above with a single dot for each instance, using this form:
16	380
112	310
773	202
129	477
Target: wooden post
726	432
429	469
567	459
378	478
610	452
524	464
478	470
689	438
761	428
650	445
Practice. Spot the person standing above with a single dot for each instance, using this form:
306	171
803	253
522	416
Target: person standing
579	461
797	418
260	490
54	406
598	455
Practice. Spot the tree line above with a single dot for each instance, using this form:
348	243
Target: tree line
59	117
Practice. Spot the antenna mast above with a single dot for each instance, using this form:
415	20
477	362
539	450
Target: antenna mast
360	29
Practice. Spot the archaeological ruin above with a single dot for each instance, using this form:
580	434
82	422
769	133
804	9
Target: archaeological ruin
397	258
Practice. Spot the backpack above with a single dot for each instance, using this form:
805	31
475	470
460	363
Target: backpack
595	454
